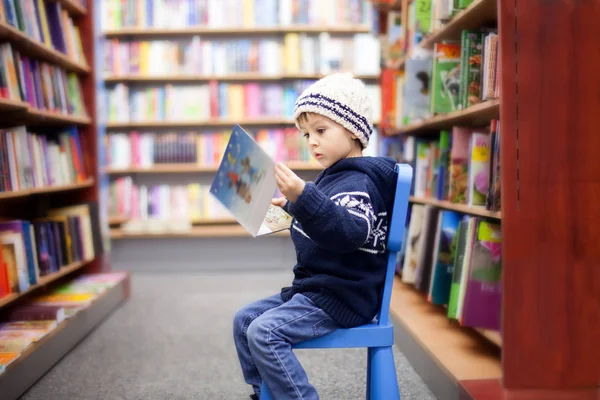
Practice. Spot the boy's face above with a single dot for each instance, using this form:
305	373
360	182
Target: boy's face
328	141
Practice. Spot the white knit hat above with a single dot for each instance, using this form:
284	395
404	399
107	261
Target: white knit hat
341	98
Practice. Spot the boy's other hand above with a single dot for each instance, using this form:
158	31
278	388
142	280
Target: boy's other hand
288	182
279	201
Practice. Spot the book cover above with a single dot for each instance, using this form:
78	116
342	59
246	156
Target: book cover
245	184
443	260
483	295
462	235
446	78
413	243
459	165
478	169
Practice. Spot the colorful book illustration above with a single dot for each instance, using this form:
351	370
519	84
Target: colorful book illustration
483	295
443	258
245	185
459	165
446	78
479	169
457	273
413	243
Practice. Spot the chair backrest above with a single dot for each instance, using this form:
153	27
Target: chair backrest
395	236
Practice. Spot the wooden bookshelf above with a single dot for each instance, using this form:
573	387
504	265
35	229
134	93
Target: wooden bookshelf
461	208
38	50
73	7
479	13
12	105
459	353
457	363
244	31
42	282
205	231
32	204
114	221
393	5
232	77
49	189
478	115
41	356
194	168
198	123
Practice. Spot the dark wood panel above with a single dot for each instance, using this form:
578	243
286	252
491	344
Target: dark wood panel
491	389
551	176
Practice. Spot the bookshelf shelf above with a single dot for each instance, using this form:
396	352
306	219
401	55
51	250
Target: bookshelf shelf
114	221
76	10
477	115
206	231
43	281
36	117
460	353
36	49
145	32
394	5
462	208
39	357
50	189
196	123
12	105
233	77
475	16
194	168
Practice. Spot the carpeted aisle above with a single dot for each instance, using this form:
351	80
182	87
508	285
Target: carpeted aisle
172	340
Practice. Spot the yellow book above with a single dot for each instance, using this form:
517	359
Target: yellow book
144	51
65	299
248	13
291	53
44	20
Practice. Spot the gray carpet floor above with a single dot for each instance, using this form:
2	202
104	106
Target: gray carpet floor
172	340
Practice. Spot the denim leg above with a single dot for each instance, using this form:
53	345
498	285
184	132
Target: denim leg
242	319
270	338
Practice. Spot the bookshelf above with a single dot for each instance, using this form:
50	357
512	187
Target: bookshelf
234	77
543	349
245	45
207	231
29	192
255	31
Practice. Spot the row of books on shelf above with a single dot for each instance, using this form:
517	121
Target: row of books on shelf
423	18
461	165
199	102
42	85
35	249
456	261
143	149
293	54
28	323
45	22
167	203
232	13
29	160
453	77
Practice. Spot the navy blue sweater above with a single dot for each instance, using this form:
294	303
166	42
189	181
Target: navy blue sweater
340	232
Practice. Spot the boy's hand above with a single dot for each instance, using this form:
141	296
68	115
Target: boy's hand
279	201
288	182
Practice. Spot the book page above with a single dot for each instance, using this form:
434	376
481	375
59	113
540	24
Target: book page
276	220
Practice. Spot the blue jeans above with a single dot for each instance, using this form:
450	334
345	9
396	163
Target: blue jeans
264	332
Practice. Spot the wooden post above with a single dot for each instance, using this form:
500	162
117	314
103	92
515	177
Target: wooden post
550	93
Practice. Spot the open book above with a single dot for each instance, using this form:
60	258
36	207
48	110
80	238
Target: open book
245	185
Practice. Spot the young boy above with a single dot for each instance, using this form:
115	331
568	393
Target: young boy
339	232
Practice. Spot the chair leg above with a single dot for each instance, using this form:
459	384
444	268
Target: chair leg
369	358
264	392
384	382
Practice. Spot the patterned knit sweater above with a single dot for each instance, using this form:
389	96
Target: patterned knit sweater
340	232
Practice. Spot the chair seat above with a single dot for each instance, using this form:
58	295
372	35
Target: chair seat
369	335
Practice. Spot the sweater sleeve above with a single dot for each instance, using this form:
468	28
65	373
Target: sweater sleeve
342	223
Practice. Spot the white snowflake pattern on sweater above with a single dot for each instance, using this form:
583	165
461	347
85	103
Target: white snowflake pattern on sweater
359	204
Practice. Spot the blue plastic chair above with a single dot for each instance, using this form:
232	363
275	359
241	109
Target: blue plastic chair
378	335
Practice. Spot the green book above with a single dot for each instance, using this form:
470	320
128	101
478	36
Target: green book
446	78
461	234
